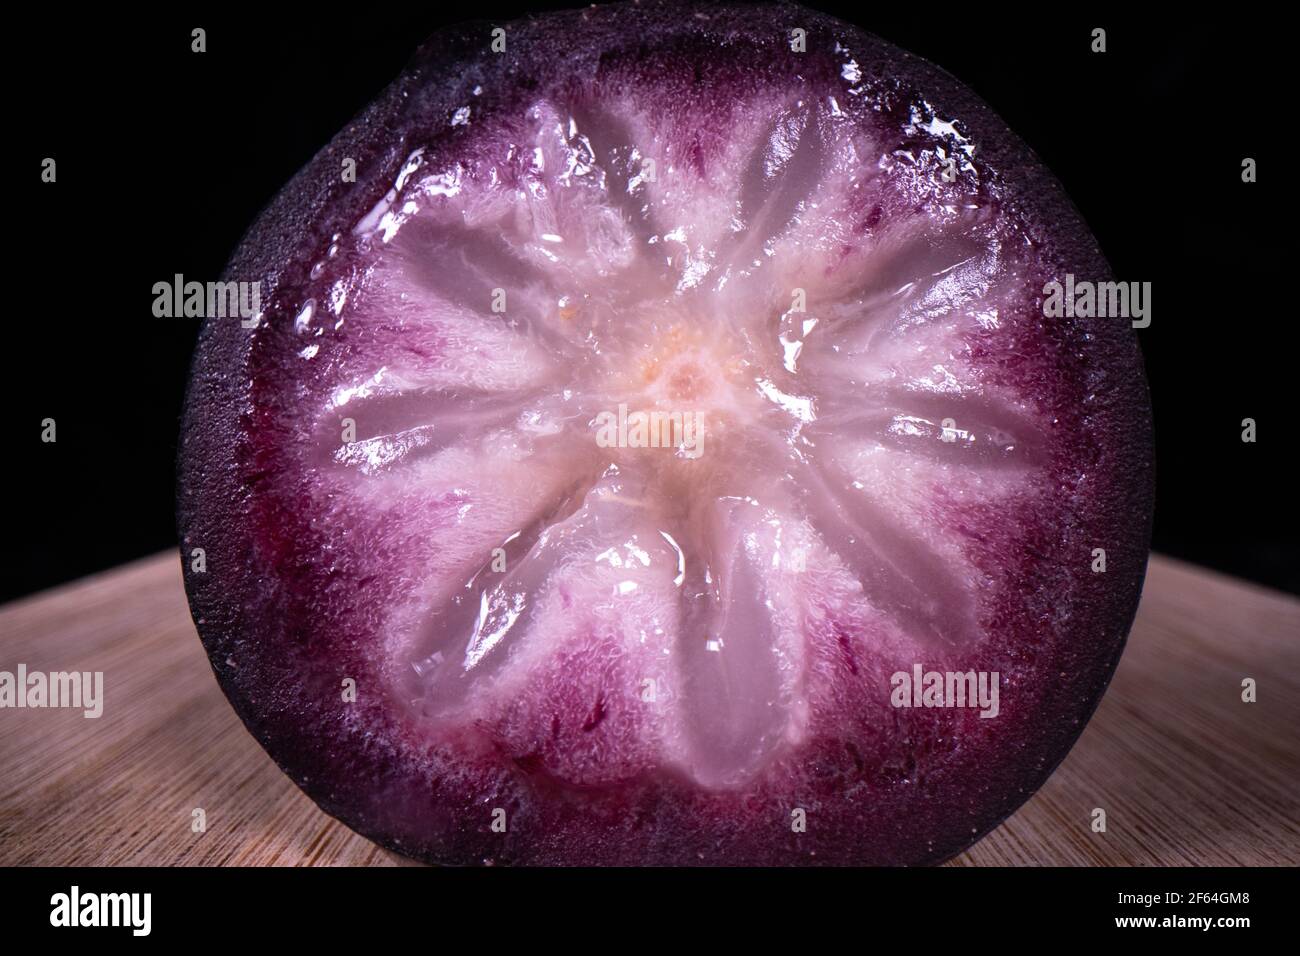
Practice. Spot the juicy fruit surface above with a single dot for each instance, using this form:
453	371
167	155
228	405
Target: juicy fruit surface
658	654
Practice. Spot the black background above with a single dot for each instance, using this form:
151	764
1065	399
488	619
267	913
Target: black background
165	156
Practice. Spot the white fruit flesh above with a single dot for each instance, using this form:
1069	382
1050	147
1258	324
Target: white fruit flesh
660	599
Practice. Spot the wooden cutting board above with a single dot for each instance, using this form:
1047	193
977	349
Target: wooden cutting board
1187	773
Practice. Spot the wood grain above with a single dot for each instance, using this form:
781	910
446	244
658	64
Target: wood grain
1188	774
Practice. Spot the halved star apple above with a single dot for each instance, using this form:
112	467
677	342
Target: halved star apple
476	632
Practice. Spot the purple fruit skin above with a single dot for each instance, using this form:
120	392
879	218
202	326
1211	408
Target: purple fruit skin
373	786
